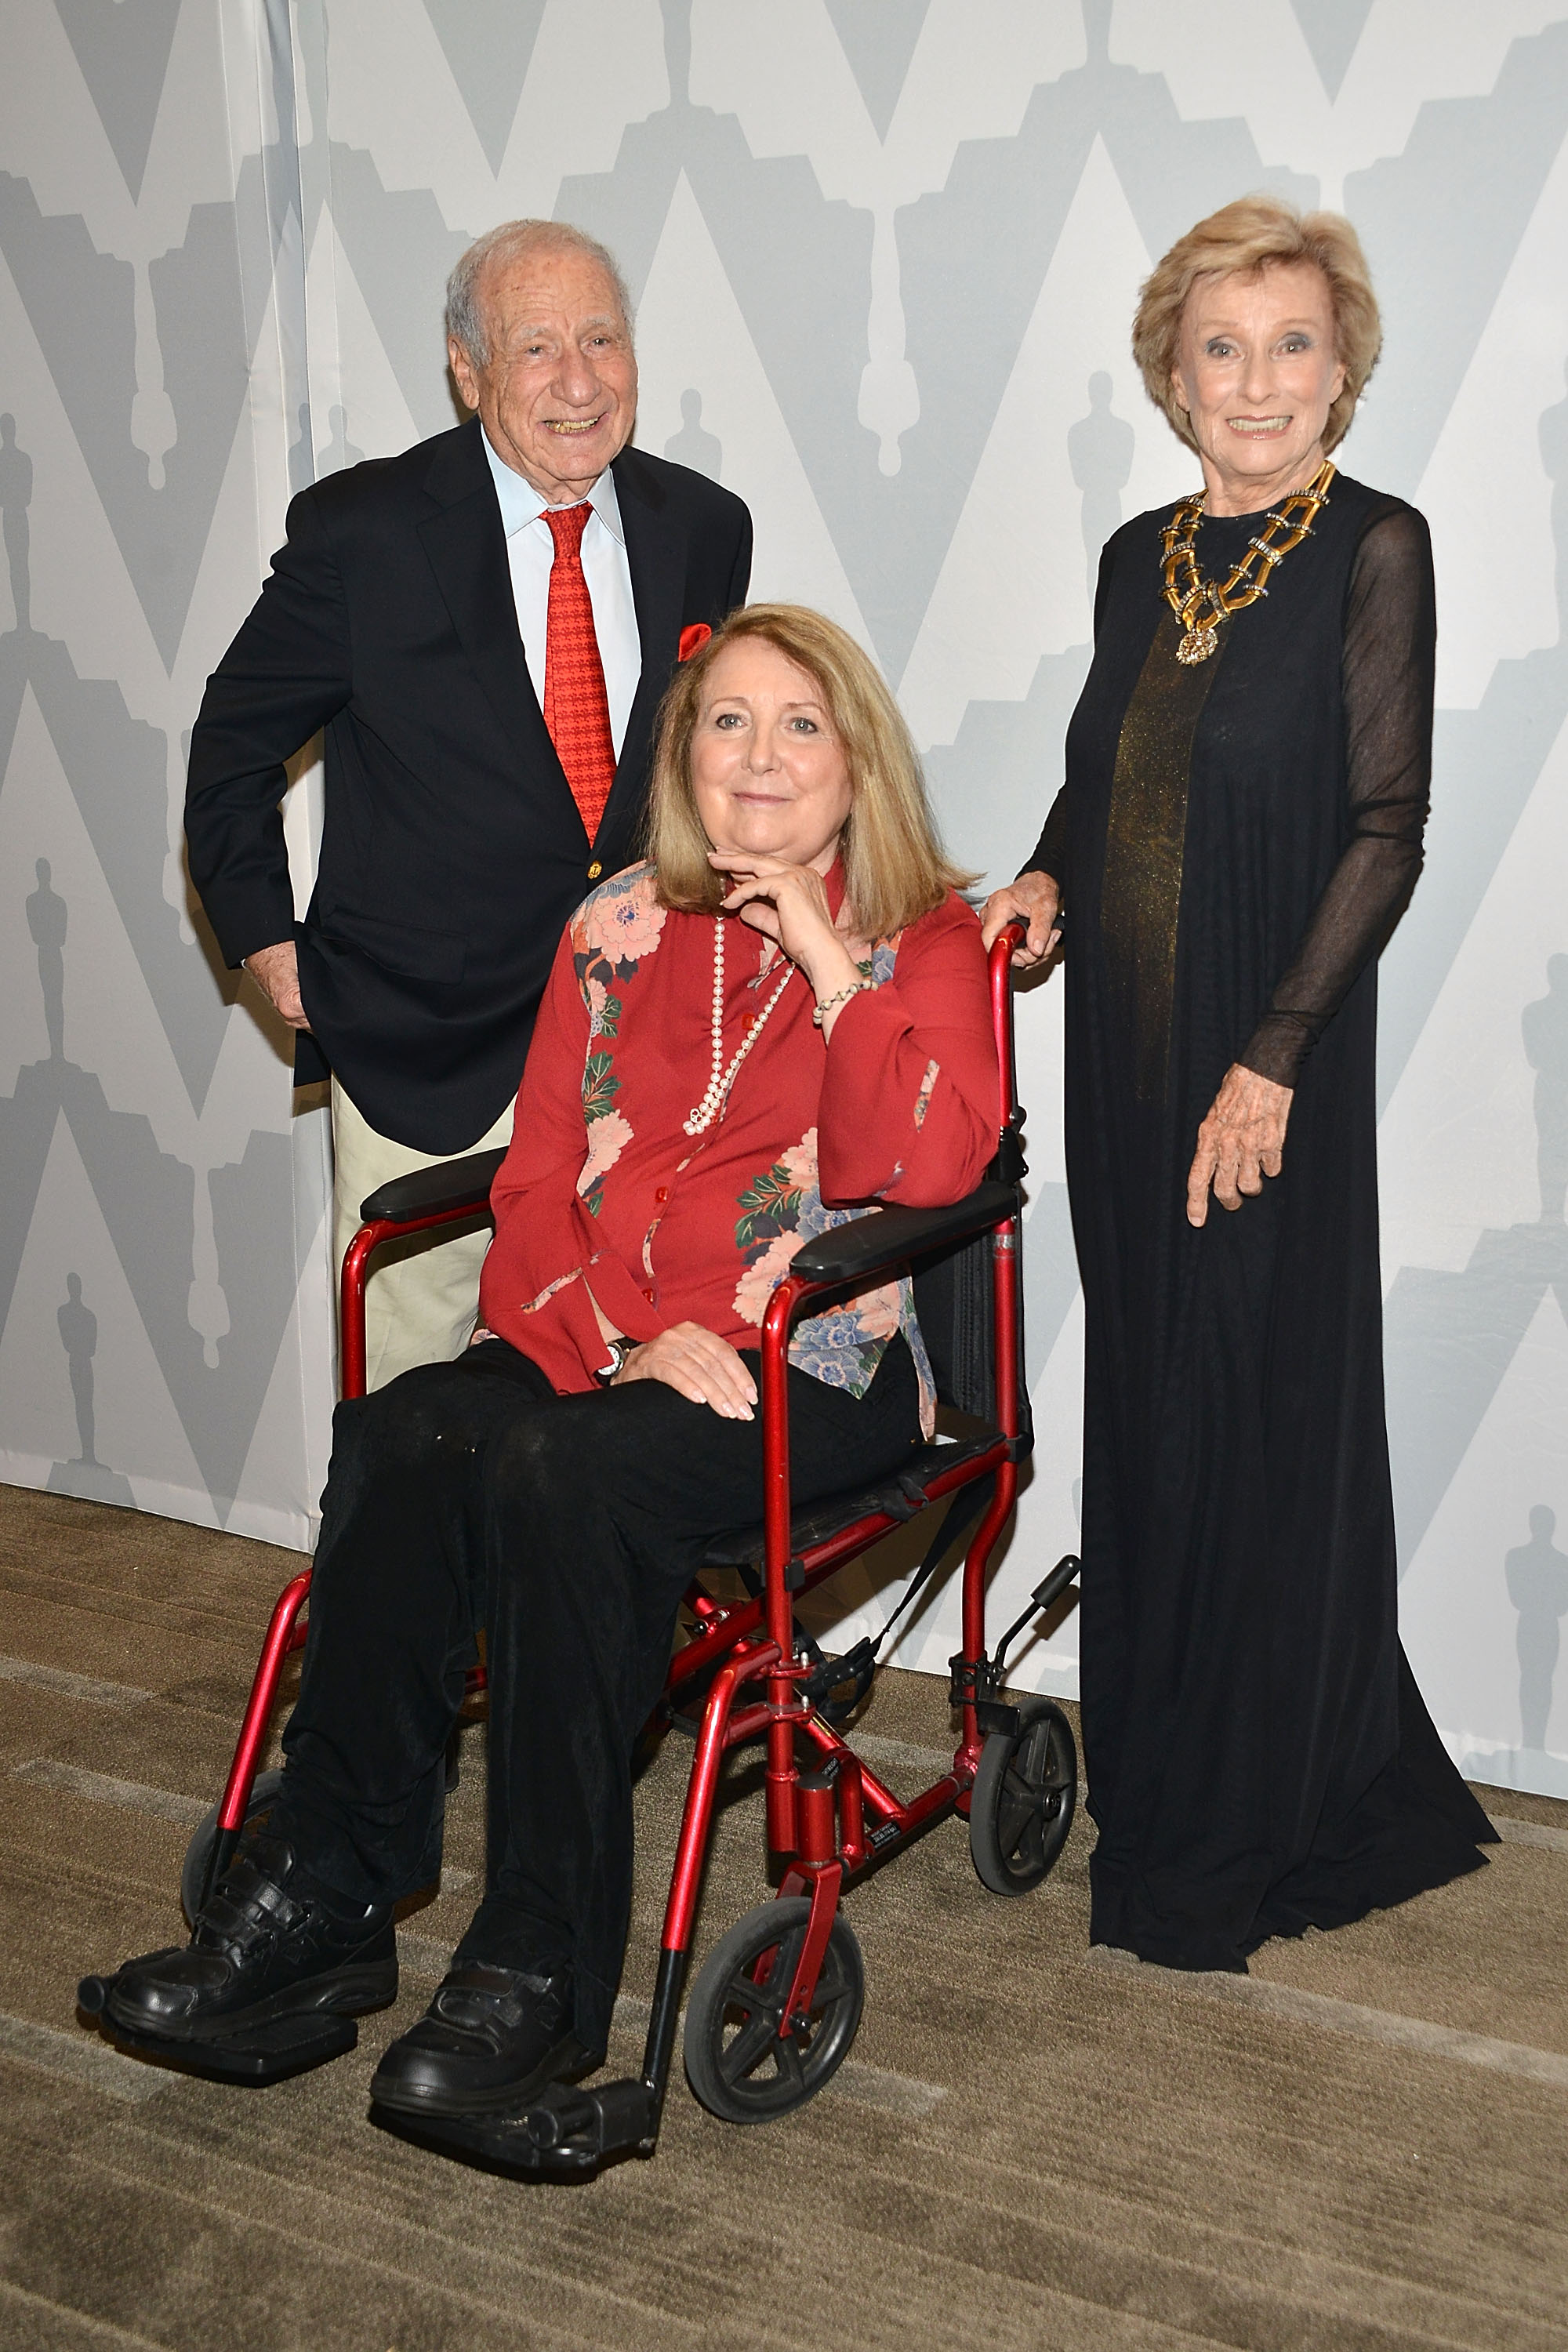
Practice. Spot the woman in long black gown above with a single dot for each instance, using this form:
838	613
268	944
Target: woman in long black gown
1240	830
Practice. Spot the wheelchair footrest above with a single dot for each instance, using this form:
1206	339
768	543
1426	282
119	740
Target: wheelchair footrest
562	2135
260	2054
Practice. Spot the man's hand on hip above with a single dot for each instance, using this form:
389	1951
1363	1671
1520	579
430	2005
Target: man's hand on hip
276	971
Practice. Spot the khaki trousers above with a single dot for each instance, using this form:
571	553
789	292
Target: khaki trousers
422	1297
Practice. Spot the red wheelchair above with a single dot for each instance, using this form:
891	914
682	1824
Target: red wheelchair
775	2007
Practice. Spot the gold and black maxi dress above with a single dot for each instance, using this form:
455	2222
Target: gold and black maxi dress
1234	841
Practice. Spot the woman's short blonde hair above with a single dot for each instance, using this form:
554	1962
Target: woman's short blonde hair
895	868
1257	232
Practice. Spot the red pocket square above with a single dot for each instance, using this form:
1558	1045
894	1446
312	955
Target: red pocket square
693	637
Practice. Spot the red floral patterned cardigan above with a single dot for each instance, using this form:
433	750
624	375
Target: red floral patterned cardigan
603	1188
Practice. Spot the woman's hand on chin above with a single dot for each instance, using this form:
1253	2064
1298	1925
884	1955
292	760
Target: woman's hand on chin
701	1366
788	904
1241	1141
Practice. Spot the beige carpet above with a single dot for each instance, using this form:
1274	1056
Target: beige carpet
1363	2144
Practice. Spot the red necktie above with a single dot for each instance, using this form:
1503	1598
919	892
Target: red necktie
576	711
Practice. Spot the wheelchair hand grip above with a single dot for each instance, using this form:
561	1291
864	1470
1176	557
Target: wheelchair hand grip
868	1245
432	1191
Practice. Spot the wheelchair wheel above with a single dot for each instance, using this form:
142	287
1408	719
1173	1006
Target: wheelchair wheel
203	1838
737	2062
1021	1807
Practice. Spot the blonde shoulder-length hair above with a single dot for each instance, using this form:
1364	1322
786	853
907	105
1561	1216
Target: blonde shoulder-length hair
895	868
1256	233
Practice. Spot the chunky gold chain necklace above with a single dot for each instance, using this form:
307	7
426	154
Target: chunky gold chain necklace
1202	604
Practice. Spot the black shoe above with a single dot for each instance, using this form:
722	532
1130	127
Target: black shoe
488	2040
277	1967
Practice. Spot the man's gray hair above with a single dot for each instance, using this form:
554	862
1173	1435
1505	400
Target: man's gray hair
513	241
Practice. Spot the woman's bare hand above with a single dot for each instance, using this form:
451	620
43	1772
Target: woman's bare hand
788	904
697	1362
1034	899
1241	1141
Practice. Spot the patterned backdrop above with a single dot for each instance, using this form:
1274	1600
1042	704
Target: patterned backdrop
885	253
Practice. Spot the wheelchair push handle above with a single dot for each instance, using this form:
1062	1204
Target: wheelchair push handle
1010	1165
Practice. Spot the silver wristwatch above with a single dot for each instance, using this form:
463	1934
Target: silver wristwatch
619	1350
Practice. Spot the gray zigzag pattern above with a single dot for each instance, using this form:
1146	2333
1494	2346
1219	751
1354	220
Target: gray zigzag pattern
879	43
1332	31
123	47
81	303
489	58
799	266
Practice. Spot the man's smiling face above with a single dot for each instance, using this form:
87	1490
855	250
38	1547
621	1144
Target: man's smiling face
558	393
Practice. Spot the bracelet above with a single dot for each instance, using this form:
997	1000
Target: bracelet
843	997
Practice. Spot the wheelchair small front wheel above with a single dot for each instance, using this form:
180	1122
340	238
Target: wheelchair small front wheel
1021	1807
203	1838
737	2062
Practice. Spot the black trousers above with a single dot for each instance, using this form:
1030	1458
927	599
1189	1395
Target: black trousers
470	1494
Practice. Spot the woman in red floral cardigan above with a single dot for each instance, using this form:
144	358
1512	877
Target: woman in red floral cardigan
778	1020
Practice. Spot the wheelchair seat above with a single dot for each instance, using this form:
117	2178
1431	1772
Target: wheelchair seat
895	1498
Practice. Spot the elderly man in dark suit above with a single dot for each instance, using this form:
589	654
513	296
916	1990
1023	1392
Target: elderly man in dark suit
484	626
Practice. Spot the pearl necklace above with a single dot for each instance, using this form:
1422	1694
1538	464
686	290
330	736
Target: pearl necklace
716	1094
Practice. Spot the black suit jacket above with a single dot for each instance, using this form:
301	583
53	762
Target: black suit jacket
452	853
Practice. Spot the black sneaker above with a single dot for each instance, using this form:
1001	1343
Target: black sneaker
278	1966
488	2040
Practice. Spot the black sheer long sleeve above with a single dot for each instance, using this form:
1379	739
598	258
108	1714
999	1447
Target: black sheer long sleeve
1049	855
1390	645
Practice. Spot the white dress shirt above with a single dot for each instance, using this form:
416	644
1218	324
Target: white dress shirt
530	552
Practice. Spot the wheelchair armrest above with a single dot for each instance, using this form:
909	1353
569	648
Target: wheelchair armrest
432	1191
868	1245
